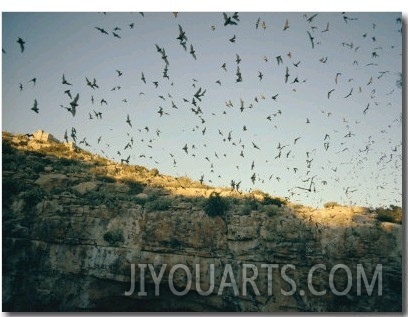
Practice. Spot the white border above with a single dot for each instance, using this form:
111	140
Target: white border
208	5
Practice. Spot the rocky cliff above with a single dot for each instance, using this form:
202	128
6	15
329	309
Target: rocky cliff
74	223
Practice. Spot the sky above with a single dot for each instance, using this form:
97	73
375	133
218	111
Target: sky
343	148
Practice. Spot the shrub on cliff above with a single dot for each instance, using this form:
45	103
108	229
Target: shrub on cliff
331	204
216	205
36	166
32	196
271	210
245	209
106	179
135	187
158	204
268	200
114	237
154	172
390	214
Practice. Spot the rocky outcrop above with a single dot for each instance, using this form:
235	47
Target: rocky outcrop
70	239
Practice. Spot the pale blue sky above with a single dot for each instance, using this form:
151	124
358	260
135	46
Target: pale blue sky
68	43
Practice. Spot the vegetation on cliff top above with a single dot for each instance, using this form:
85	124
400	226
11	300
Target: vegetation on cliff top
34	158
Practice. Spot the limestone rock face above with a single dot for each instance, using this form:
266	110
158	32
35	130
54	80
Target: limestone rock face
69	243
61	261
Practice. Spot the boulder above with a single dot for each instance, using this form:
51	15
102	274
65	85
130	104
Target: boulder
85	187
50	181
